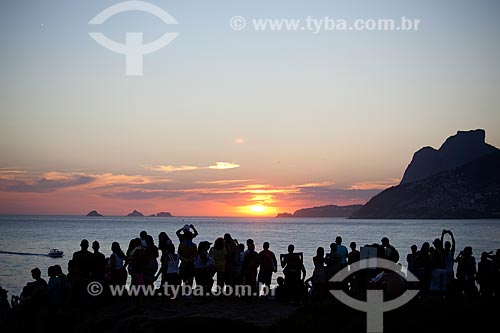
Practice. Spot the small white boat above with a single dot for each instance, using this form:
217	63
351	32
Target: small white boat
55	253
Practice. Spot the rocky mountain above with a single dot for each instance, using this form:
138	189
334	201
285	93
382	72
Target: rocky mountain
135	213
94	213
284	215
469	191
164	214
457	150
324	211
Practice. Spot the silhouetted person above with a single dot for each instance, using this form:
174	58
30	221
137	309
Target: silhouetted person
65	283
354	255
98	266
231	260
82	261
239	262
143	235
333	261
438	272
410	258
249	269
280	292
202	267
390	252
5	310
185	230
294	272
449	256
34	294
55	289
268	265
496	265
319	281
486	275
152	255
187	253
422	266
218	255
137	259
170	267
342	251
248	242
163	240
466	272
116	265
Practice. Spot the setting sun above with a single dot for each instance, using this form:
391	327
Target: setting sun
258	209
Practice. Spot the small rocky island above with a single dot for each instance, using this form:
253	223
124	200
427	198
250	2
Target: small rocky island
164	214
135	213
94	213
161	214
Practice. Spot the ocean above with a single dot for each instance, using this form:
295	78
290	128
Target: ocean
28	239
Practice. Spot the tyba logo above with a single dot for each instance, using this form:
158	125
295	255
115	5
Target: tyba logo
374	305
134	49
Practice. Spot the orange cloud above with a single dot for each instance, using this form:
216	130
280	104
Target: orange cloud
375	185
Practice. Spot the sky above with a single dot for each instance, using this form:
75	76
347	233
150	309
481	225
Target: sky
228	122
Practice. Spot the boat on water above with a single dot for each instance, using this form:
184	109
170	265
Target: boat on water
55	253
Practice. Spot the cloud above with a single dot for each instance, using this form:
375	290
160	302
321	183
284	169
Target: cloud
174	168
321	184
224	181
375	185
48	182
53	181
223	166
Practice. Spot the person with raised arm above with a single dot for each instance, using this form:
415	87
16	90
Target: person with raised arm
186	230
449	255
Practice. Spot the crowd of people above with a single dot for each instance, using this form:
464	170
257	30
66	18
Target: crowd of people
227	262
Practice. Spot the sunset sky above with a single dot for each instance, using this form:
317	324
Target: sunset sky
232	123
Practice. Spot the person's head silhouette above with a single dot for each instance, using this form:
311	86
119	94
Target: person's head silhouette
84	244
333	247
95	246
36	273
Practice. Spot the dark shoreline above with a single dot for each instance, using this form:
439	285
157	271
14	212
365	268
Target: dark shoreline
224	314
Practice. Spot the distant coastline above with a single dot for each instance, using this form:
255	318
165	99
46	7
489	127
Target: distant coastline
323	211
